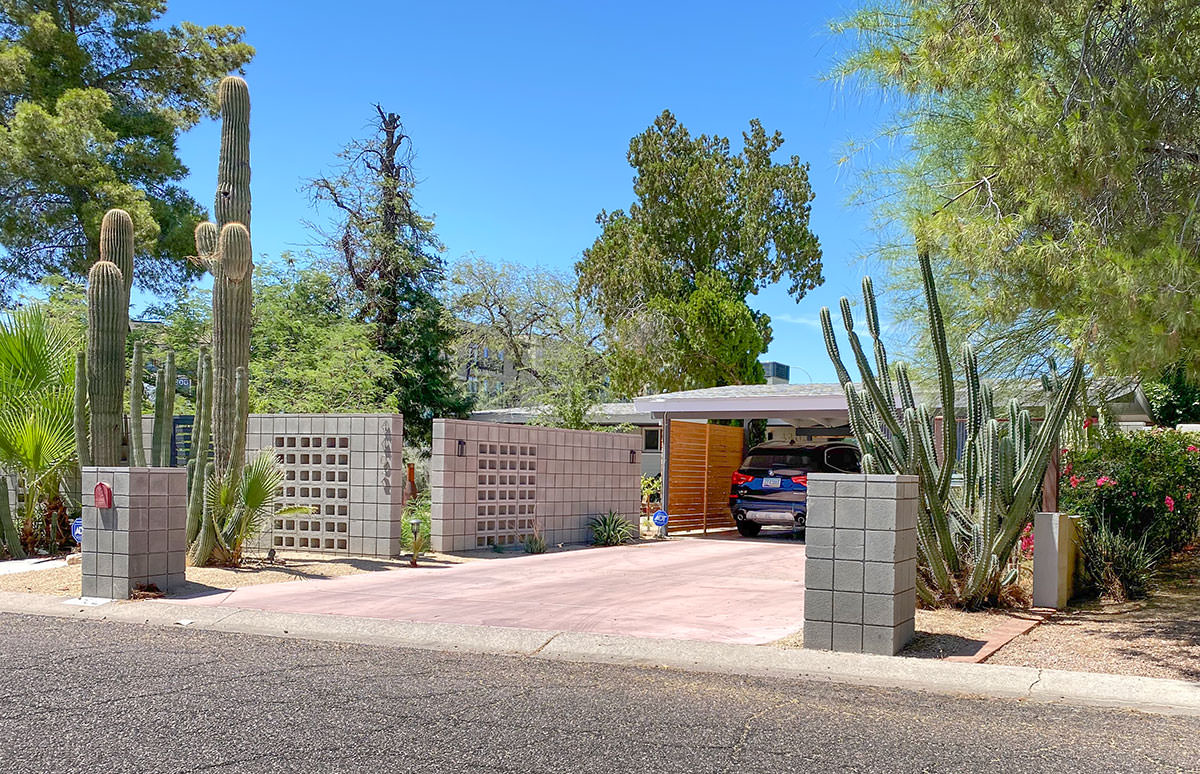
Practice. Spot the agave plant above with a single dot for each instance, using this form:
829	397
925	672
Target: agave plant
611	529
37	446
235	507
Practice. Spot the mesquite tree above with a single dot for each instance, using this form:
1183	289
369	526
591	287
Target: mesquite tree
965	534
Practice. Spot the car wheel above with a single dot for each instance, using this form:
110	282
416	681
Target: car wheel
747	528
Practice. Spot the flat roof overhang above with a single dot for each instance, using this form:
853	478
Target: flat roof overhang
798	410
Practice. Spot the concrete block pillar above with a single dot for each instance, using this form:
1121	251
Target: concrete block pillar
141	540
860	566
1055	552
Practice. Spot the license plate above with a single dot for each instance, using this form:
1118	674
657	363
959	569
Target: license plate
772	483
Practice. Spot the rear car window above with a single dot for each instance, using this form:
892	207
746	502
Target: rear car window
802	460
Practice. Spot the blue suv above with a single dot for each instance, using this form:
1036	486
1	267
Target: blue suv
771	486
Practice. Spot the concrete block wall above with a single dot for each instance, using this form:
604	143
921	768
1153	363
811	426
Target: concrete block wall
493	484
349	468
141	541
860	566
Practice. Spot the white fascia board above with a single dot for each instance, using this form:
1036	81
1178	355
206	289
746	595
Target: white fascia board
742	406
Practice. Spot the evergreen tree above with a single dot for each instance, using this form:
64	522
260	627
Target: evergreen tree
392	257
93	94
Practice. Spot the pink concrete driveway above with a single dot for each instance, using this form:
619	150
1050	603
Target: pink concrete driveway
743	591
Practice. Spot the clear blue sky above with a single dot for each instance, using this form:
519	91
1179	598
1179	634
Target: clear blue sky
521	114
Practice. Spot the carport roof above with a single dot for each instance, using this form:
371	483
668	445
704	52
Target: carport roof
823	404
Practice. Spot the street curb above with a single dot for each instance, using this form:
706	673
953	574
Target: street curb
1151	695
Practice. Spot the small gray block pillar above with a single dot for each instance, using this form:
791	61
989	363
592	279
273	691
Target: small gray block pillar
860	565
139	542
1054	556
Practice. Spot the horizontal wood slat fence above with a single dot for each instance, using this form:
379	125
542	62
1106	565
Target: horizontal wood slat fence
702	460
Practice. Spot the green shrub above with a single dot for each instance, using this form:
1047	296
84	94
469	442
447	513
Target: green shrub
651	488
1116	565
611	529
535	543
1139	496
417	507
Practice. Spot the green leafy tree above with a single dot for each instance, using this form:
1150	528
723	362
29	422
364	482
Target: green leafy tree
93	94
708	229
392	257
527	338
307	351
1174	397
1052	156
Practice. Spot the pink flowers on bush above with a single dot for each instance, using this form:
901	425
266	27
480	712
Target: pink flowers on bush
1075	482
1105	481
1193	448
1170	503
1027	541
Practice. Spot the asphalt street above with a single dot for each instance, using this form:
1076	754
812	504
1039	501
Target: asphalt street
83	696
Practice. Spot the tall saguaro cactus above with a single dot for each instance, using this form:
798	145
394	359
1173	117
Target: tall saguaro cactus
108	322
965	536
224	249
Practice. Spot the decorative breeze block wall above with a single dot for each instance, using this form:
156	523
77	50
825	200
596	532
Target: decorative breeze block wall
493	484
349	468
139	542
860	568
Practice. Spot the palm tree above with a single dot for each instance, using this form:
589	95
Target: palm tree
235	508
37	437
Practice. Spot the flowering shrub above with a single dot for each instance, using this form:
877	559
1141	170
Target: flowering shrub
1135	490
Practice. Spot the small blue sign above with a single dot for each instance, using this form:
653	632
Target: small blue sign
77	529
660	518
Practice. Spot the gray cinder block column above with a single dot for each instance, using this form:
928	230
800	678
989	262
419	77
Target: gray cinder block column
860	563
140	542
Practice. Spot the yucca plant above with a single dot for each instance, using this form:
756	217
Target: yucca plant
611	529
235	508
37	389
535	543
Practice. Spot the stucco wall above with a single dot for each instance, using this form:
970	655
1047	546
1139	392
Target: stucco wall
495	484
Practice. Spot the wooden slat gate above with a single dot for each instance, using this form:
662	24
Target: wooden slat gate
702	459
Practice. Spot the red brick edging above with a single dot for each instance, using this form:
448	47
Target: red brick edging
1004	634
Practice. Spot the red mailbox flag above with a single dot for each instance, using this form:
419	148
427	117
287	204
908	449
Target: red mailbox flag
103	495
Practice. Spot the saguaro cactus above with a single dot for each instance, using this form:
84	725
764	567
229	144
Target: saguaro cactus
108	315
964	537
224	249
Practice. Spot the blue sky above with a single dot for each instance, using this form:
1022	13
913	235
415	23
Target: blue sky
521	114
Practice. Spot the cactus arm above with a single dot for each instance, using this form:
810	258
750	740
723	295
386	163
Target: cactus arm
237	452
832	348
937	333
904	387
886	410
201	429
137	444
160	389
82	450
164	415
108	324
232	203
881	359
117	246
929	540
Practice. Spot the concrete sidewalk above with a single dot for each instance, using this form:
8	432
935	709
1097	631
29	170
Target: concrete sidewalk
1171	697
734	591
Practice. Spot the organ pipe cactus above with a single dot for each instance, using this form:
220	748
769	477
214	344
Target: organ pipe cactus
965	535
201	437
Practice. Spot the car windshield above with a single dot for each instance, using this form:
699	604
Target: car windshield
800	459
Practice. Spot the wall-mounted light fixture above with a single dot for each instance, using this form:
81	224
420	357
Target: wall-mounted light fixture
462	448
632	457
